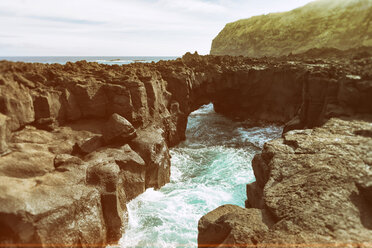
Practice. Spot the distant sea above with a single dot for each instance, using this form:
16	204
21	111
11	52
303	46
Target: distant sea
115	60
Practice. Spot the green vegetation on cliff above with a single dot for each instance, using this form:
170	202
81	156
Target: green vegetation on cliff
339	24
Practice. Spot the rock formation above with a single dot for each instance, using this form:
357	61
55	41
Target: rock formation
341	24
78	141
312	188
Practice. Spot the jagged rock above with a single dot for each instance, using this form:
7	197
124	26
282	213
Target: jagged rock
151	146
73	101
120	175
227	225
131	169
315	186
106	177
118	128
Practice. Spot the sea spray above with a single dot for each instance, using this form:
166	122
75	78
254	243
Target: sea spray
209	169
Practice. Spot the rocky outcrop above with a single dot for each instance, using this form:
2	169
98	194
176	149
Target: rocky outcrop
119	129
78	141
323	23
313	187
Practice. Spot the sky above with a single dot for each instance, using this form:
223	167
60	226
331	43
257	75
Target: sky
121	27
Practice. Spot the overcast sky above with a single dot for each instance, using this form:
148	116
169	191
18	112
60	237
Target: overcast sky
121	27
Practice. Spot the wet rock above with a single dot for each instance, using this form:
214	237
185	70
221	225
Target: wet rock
118	128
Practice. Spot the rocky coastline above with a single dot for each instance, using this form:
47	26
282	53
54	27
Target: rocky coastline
78	141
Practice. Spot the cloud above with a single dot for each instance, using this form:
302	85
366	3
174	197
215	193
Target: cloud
65	20
194	6
121	27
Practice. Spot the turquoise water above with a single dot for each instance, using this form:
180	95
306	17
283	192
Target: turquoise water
209	169
116	60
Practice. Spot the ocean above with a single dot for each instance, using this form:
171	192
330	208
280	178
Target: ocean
108	60
209	169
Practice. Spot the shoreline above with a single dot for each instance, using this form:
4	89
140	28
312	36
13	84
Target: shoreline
56	114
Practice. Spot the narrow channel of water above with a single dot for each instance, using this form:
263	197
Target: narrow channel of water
209	169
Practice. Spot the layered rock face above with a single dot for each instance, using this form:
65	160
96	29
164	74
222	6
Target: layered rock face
313	188
78	141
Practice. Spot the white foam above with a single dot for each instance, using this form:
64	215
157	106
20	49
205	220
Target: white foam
208	170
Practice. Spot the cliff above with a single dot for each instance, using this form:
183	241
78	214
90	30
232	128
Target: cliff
78	141
313	188
341	24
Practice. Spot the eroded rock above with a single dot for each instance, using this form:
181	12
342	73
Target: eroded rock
150	145
119	129
72	102
315	185
227	225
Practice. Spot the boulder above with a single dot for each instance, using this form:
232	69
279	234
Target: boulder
88	145
51	209
227	226
117	128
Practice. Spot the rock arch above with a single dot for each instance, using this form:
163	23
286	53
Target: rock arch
48	109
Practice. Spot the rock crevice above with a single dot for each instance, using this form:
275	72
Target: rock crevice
78	141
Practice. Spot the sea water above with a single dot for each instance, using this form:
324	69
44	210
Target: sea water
209	169
117	60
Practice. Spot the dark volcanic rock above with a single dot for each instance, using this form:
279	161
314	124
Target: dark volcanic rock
227	225
315	186
152	148
61	184
117	127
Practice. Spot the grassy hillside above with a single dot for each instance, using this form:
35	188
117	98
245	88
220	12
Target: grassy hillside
340	24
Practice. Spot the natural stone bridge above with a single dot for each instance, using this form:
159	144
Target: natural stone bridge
62	181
